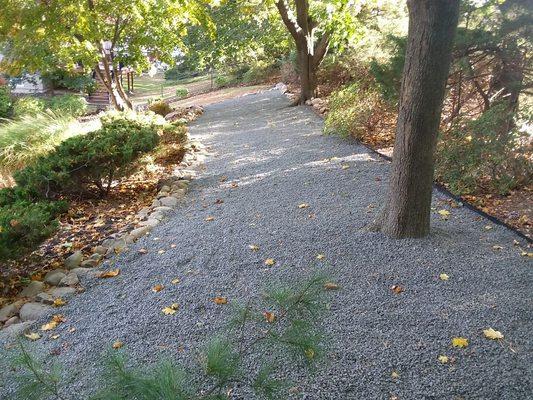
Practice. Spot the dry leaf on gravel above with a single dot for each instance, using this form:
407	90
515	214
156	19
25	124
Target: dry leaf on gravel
110	274
209	219
459	342
220	300
118	344
59	302
253	247
444	214
443	359
345	166
303	205
171	309
143	251
49	326
492	334
270	261
497	247
175	281
320	256
157	288
444	277
397	289
331	286
33	336
269	316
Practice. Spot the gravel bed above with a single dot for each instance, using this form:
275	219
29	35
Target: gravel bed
279	159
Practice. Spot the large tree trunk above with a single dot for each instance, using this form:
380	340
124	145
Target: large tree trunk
432	25
307	75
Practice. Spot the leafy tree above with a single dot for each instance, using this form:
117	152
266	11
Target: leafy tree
96	34
429	45
315	26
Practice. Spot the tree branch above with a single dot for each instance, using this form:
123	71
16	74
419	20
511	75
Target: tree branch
321	49
288	19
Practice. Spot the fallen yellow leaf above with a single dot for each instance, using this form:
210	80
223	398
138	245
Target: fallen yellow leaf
395	375
160	251
59	302
444	214
526	254
331	286
497	247
492	334
303	205
443	359
444	277
459	342
209	219
143	251
32	336
170	310
175	281
220	300
157	288
253	247
345	166
58	318
49	326
110	274
270	261
54	337
118	344
309	353
320	256
397	289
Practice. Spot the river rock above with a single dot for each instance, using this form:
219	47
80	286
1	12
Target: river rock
63	292
34	288
54	277
169	201
70	280
33	311
8	311
74	260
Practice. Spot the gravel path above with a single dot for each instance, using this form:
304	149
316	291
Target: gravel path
277	156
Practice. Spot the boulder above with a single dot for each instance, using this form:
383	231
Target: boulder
91	263
11	321
70	280
8	311
63	292
44	298
74	260
34	288
100	250
150	223
17	329
33	311
169	201
139	232
53	277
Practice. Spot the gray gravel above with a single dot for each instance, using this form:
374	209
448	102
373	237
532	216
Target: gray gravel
277	155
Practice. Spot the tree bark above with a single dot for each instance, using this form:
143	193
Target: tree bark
432	25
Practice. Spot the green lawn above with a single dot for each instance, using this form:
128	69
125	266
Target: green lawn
146	87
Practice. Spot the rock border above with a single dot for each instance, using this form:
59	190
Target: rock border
39	299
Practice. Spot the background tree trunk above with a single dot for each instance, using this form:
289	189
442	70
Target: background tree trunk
432	25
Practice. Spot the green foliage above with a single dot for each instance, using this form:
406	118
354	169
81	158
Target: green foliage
28	106
24	139
68	104
259	72
225	80
160	107
181	92
352	110
6	103
250	339
24	224
88	163
388	75
478	154
63	79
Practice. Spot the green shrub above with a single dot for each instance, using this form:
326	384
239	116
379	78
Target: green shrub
222	80
61	79
389	75
6	103
25	139
28	106
24	224
159	107
259	72
351	110
181	92
479	154
89	163
68	104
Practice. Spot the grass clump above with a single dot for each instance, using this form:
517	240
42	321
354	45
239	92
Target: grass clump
254	353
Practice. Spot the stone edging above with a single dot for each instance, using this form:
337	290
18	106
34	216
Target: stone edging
39	299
